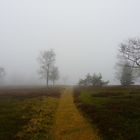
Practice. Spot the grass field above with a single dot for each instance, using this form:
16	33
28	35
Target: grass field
115	111
27	113
37	113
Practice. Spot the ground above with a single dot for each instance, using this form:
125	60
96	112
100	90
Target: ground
39	113
69	123
115	110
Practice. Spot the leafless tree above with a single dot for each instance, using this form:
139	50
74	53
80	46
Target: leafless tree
46	61
54	74
130	51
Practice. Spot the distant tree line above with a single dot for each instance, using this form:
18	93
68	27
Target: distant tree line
127	67
93	80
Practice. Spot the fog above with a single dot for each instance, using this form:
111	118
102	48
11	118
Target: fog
85	35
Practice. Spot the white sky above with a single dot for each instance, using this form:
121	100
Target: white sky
85	35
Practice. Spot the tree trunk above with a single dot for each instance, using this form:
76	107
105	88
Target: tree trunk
48	76
47	82
47	79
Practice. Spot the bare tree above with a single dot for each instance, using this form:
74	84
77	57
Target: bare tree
46	60
54	74
130	51
129	56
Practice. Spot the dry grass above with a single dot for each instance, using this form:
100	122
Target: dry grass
27	113
40	119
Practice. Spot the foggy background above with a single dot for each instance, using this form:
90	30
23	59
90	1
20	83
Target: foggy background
85	34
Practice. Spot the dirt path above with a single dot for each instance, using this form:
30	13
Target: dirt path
69	123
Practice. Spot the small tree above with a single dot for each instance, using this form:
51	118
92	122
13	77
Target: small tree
46	60
95	80
126	78
82	82
87	81
54	75
2	74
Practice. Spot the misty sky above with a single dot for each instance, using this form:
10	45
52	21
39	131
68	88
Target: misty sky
85	34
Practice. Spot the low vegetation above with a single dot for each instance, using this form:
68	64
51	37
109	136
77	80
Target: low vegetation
27	114
115	111
93	80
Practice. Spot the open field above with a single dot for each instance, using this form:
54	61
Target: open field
33	113
42	114
27	113
115	111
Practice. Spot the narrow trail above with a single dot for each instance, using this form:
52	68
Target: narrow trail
69	123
